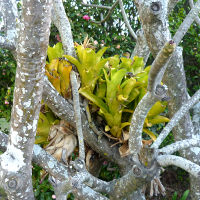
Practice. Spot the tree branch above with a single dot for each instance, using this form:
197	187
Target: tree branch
137	122
190	167
132	181
197	19
176	118
6	43
159	65
108	15
64	110
96	6
141	48
34	30
126	20
61	21
77	113
10	16
187	23
180	145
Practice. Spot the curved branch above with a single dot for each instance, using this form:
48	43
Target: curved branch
61	21
159	65
190	167
180	145
187	23
137	122
176	118
108	15
126	20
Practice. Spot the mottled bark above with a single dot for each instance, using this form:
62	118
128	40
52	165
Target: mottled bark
61	21
31	57
141	48
155	26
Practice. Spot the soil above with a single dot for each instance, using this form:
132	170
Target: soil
174	180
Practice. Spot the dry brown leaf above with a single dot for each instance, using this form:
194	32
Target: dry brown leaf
125	135
124	150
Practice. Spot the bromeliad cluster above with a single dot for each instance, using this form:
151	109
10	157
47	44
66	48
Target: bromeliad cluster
114	86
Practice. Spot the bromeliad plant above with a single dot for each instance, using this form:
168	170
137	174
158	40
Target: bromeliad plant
115	85
57	70
89	65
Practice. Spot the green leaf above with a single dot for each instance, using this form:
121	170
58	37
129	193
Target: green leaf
101	89
175	195
96	100
100	53
43	128
138	65
75	62
156	109
185	195
114	83
80	50
125	124
97	68
114	61
158	120
55	52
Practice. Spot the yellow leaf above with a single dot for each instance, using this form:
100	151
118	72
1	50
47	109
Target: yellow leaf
53	65
158	119
156	109
54	81
149	133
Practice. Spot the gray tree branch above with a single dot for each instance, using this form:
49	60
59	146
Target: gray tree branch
126	20
180	145
197	19
61	21
32	46
108	15
190	167
187	23
77	113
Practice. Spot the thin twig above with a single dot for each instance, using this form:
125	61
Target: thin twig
108	15
126	20
187	23
77	113
96	6
176	118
